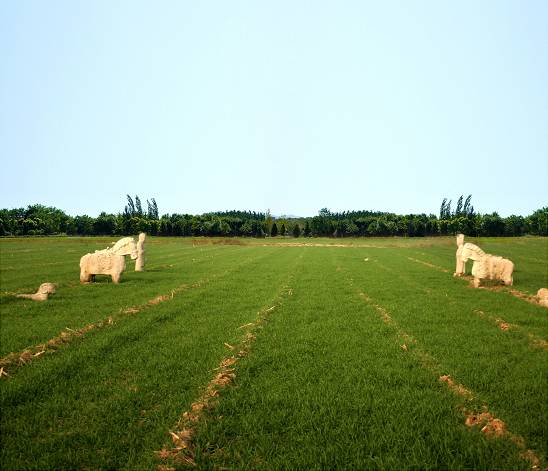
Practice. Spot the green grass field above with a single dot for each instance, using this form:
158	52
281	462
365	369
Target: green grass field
284	354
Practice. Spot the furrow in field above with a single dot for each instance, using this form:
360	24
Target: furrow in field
183	448
429	265
490	425
14	360
535	340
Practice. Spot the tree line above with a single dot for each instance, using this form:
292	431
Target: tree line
38	219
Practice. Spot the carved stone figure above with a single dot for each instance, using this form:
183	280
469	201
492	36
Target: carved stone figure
108	261
460	266
487	266
42	294
125	246
102	262
140	262
542	297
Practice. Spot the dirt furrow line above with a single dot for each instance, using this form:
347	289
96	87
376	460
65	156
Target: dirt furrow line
534	340
11	362
182	451
490	425
429	265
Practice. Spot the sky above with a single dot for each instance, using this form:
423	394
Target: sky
291	106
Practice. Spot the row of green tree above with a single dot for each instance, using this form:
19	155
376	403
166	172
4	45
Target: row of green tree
42	220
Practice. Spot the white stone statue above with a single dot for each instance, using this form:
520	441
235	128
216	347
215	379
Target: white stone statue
42	294
125	246
108	261
461	266
542	297
140	262
487	266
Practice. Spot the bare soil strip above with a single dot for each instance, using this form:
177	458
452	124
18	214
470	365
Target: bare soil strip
534	340
183	449
430	265
500	323
491	425
224	241
514	292
310	244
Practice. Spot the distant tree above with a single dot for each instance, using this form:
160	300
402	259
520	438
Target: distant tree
537	222
307	229
514	225
269	222
324	212
296	230
138	207
83	225
274	230
458	210
105	224
492	225
129	210
442	208
350	228
47	220
282	230
468	209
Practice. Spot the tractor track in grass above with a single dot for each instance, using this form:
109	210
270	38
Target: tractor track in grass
182	451
505	289
11	362
476	413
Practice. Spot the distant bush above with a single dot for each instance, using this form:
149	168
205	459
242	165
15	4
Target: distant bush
41	220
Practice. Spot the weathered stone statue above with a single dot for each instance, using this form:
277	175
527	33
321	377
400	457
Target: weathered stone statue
140	262
108	261
42	294
461	266
542	297
487	266
125	246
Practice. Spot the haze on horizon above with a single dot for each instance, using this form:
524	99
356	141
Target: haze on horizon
287	106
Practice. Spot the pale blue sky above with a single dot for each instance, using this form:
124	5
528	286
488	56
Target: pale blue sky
287	105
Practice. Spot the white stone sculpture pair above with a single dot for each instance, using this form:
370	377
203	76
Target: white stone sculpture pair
486	266
111	261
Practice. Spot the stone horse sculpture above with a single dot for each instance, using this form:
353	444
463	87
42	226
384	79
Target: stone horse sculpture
487	266
110	261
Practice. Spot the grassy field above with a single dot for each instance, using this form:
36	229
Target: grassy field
273	354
